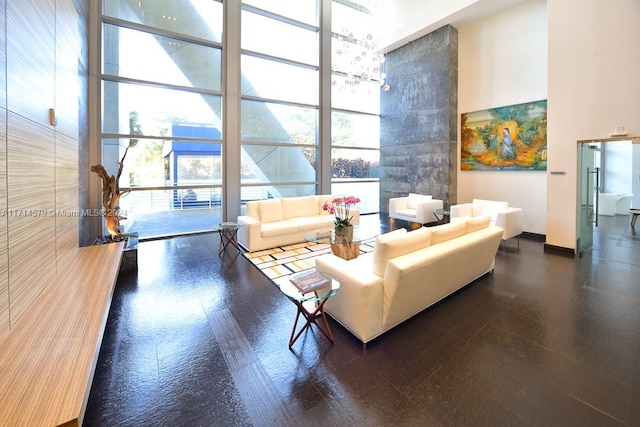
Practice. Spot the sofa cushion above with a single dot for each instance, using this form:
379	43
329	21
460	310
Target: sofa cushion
378	257
271	210
413	199
310	223
391	235
253	209
397	245
477	223
277	228
407	212
442	233
293	207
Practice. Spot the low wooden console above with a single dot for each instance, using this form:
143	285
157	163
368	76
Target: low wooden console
48	358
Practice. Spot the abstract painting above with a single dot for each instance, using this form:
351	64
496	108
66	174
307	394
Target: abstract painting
505	138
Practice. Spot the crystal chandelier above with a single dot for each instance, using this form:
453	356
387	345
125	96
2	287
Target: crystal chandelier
357	60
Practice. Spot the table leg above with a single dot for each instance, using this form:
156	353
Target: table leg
444	219
227	237
310	318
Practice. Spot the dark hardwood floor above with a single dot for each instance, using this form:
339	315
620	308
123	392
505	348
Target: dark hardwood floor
194	339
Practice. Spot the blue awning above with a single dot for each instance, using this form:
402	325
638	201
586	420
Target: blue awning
194	130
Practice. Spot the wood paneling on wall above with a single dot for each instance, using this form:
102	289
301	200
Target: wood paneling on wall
38	160
68	48
4	279
67	230
4	260
3	55
31	200
31	58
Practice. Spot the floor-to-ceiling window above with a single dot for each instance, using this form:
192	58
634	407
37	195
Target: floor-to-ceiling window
164	83
162	99
280	98
356	70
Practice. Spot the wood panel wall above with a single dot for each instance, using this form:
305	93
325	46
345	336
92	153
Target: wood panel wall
38	159
4	263
4	260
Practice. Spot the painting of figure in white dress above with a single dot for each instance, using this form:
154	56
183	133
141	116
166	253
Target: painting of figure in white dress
505	138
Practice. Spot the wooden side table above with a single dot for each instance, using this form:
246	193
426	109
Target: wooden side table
228	232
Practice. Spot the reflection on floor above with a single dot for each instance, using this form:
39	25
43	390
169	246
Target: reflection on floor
547	340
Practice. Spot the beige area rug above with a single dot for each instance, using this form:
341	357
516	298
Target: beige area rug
278	264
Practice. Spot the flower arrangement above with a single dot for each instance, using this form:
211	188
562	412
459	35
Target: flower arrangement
340	207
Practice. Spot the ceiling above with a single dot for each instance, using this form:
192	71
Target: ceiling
402	21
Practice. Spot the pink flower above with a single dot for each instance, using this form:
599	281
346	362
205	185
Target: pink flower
328	207
340	207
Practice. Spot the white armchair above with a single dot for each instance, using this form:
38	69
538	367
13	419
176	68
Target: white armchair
510	219
414	208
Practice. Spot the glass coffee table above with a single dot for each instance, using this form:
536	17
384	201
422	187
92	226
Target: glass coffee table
442	216
310	306
345	248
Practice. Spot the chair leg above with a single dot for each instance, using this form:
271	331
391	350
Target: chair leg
503	243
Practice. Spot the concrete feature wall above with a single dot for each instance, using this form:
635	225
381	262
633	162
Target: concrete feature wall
418	119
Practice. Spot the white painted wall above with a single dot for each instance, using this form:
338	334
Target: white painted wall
502	60
402	21
593	86
583	56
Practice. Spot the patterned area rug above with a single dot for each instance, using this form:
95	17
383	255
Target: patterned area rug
278	264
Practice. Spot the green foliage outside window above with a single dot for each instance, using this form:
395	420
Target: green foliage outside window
354	168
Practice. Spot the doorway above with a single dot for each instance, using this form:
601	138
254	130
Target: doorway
589	184
607	175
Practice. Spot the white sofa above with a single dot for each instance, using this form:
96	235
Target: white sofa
509	218
414	208
283	221
408	272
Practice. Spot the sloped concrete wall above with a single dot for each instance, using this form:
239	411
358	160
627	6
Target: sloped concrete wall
419	116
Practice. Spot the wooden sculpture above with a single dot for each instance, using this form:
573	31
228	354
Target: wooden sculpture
111	196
